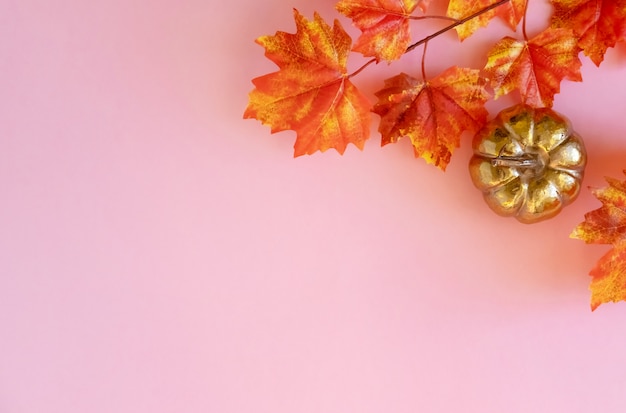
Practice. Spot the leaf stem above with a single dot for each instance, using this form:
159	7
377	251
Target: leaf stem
524	21
360	69
440	32
457	23
424	61
452	19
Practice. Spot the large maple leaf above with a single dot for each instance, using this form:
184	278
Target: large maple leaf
511	12
598	24
311	93
535	67
432	114
607	225
384	23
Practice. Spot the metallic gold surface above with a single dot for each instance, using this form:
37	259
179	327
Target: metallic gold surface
528	163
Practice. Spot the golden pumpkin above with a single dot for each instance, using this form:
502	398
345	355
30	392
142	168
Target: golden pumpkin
528	163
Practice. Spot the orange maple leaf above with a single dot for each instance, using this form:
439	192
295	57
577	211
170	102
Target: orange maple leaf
432	114
598	24
384	23
607	225
609	277
311	93
511	12
535	67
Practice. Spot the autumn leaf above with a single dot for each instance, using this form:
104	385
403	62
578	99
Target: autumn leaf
607	225
384	23
598	24
432	114
511	12
609	277
457	9
535	67
311	93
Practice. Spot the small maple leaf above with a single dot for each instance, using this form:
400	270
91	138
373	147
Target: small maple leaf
607	225
609	277
432	114
598	24
511	12
457	9
311	93
384	23
535	67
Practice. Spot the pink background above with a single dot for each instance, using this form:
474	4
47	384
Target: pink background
160	254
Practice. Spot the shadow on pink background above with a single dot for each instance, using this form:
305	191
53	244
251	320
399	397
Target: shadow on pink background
160	254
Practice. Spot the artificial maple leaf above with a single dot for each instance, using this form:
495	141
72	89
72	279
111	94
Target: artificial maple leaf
511	12
607	225
384	23
311	93
457	9
609	277
535	67
598	24
432	114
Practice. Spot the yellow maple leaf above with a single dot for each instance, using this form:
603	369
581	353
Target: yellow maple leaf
511	12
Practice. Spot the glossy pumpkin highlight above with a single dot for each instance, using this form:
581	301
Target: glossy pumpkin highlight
528	163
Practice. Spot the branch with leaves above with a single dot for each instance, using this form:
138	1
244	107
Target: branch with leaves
313	93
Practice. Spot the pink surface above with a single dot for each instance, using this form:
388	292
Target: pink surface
160	254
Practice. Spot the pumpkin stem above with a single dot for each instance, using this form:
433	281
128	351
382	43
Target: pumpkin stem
524	161
531	164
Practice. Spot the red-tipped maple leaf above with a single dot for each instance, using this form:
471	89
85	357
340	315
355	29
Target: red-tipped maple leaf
598	24
535	67
607	225
311	93
432	114
384	23
511	12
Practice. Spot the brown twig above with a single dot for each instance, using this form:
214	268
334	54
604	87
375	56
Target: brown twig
440	32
